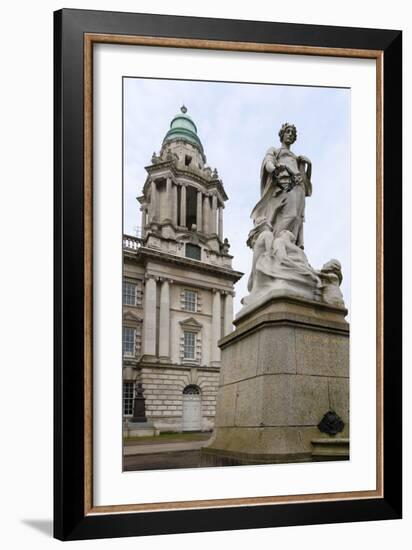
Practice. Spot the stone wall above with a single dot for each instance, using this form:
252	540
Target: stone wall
164	395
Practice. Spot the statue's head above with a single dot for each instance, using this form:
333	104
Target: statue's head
288	133
335	267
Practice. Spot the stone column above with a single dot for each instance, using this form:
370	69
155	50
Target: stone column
216	327
164	320
199	211
220	227
206	214
153	200
214	210
149	319
174	204
169	202
143	222
228	314
183	206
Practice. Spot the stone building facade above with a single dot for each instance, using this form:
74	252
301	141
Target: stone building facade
177	287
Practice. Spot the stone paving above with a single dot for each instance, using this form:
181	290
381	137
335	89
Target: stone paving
162	461
167	447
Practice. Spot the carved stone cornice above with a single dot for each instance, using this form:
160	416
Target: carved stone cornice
130	316
156	364
145	253
191	324
169	168
130	362
228	293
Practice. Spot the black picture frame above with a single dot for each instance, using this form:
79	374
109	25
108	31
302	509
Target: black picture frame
71	520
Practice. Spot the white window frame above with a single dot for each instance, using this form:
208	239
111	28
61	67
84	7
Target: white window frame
189	303
126	294
185	346
133	352
128	383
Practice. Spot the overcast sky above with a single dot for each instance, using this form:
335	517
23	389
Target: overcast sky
236	124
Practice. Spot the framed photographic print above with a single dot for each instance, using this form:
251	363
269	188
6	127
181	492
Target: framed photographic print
227	274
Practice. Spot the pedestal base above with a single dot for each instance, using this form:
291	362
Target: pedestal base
330	448
282	369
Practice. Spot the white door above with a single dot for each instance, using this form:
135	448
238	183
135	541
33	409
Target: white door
191	412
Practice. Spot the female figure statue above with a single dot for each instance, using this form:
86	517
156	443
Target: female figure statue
280	266
284	184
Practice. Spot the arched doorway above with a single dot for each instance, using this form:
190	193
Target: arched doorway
192	404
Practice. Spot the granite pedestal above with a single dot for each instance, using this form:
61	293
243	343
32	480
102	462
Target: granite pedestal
283	368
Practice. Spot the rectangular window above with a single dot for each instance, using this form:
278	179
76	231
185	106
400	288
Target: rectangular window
190	300
193	251
129	340
128	391
129	293
189	345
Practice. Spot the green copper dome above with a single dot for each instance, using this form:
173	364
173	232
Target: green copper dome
183	127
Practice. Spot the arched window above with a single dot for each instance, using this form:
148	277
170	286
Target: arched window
191	389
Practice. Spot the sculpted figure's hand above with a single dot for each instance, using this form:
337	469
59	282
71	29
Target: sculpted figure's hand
298	179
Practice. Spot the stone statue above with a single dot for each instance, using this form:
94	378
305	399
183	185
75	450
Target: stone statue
280	265
331	278
139	409
156	159
284	184
225	247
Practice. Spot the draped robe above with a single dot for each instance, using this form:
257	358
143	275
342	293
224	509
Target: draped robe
283	193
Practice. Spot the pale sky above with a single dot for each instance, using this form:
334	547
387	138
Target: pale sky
236	124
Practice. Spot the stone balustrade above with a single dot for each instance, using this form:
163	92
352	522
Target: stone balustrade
131	243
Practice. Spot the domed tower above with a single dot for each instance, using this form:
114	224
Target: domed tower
183	272
183	198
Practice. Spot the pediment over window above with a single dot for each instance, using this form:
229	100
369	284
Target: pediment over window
130	316
191	324
193	238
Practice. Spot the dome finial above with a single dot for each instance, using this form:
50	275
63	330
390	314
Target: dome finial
182	127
